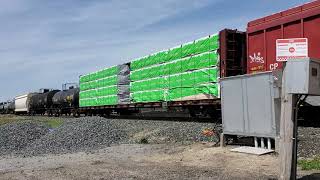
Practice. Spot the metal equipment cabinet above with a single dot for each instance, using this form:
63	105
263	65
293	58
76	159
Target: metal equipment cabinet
251	105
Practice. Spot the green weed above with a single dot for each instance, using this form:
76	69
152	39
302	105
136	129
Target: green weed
310	164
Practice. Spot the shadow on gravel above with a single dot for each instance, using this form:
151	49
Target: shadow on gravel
177	119
311	177
309	123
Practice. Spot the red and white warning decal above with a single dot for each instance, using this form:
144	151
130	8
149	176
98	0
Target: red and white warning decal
291	48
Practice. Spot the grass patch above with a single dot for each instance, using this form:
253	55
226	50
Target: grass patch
54	123
312	164
50	122
7	119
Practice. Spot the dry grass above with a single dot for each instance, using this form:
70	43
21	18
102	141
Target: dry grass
50	122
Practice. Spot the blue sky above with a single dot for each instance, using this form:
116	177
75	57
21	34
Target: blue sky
44	43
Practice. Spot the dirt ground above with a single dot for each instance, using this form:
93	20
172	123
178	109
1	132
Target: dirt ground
197	161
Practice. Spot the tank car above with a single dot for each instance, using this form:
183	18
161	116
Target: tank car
3	107
41	103
11	107
66	102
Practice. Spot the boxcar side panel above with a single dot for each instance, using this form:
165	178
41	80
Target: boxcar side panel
272	35
256	53
298	22
312	32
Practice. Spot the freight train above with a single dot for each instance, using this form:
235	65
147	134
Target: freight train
7	107
47	101
184	79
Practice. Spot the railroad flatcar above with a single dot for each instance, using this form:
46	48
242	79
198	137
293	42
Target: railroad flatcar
183	78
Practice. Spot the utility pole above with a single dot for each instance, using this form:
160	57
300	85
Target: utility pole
288	133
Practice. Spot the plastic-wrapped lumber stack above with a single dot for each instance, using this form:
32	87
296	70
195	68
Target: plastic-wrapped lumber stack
186	72
109	86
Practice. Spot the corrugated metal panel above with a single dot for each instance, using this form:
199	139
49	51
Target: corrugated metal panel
298	22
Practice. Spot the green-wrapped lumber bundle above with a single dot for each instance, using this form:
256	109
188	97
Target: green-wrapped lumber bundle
107	100
203	91
183	79
100	101
99	74
149	96
88	102
193	85
188	71
210	43
204	60
99	87
105	77
106	91
198	92
109	86
149	84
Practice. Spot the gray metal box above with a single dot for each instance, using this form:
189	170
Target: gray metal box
302	76
251	105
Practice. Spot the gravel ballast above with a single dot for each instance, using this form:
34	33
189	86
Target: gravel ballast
87	134
15	137
91	133
83	134
308	142
167	131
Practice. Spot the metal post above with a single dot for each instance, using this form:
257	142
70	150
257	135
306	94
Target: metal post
269	144
262	143
256	142
223	140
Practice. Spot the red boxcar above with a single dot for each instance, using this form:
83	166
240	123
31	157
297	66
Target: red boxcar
298	22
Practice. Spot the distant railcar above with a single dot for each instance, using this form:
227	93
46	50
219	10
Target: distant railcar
11	107
41	103
66	102
3	107
21	103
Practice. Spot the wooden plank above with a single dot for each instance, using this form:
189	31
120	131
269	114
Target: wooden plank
288	133
252	150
